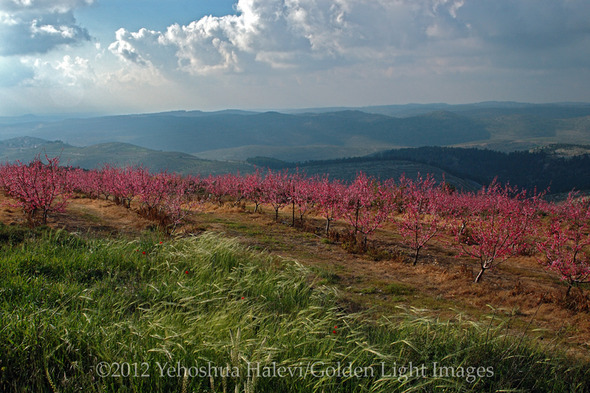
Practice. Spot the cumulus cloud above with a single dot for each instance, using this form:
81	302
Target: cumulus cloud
67	71
309	52
138	47
38	26
65	80
278	34
297	34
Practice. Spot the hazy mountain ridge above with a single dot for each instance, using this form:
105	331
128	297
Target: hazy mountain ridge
238	134
480	109
193	133
170	141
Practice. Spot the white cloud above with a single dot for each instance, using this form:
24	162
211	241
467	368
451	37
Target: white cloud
310	52
320	34
67	71
43	5
38	26
63	31
124	49
62	83
294	34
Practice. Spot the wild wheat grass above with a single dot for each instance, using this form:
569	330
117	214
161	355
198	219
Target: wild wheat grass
99	315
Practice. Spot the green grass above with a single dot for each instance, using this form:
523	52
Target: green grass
207	304
399	289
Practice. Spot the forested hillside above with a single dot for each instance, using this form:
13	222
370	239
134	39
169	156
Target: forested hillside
540	169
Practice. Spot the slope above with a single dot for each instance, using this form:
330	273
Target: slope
193	133
115	153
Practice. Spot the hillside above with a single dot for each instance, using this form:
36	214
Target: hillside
191	133
123	154
207	297
321	133
541	169
290	153
487	109
121	264
557	168
115	153
385	169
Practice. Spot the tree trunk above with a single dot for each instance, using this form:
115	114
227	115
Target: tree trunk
416	256
293	220
479	275
327	227
356	222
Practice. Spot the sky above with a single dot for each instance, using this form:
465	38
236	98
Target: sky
134	56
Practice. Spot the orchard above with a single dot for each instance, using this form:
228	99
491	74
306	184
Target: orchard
487	227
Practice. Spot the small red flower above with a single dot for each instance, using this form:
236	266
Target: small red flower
334	331
186	272
242	298
143	252
161	242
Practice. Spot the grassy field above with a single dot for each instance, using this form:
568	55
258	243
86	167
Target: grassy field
204	313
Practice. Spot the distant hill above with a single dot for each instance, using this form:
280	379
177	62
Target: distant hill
21	144
115	153
347	170
559	168
121	154
196	132
537	169
290	153
320	133
480	109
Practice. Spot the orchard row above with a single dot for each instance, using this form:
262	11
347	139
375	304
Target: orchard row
490	226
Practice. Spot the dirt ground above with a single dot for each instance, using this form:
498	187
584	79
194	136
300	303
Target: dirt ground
380	281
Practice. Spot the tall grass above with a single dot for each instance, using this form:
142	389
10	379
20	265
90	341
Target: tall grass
206	314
